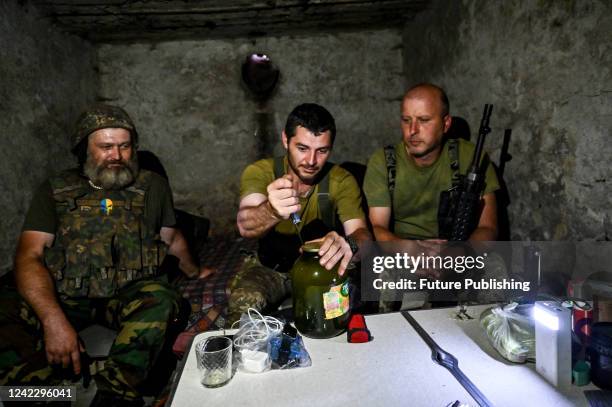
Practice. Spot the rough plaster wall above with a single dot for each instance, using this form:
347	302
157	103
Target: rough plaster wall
45	79
546	66
193	113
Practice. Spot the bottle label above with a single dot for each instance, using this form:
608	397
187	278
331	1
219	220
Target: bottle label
336	301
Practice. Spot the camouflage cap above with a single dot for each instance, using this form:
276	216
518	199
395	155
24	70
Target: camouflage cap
102	117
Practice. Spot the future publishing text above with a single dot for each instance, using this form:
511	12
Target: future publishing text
400	263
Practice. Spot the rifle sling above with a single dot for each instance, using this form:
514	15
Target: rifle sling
391	163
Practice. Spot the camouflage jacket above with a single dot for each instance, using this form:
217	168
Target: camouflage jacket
101	245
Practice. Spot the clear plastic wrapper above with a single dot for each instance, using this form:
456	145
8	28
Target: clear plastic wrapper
511	331
252	341
264	342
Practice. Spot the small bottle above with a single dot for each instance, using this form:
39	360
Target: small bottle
320	296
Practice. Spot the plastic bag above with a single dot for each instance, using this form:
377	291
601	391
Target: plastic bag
264	342
288	351
252	341
511	331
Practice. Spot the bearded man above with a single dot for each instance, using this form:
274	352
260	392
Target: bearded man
302	185
90	250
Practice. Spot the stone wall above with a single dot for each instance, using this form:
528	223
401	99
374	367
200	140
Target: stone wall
546	66
46	78
193	112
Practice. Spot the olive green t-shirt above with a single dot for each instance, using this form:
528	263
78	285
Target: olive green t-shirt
344	193
159	209
417	189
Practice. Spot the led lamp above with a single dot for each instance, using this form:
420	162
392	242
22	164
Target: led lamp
553	333
543	316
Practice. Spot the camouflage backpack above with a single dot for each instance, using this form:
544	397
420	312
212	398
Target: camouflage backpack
101	244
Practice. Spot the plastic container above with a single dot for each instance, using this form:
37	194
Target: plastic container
320	296
600	355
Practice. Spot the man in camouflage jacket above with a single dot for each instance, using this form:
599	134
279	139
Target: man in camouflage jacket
90	250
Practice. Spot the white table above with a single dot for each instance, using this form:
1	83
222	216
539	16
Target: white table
395	369
502	382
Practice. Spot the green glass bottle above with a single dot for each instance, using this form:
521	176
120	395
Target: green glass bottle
320	296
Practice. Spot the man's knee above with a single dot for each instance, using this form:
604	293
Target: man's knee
259	279
241	299
166	296
155	294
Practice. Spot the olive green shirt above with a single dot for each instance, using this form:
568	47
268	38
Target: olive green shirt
417	189
159	209
344	193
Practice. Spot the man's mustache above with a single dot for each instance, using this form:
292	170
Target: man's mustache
119	162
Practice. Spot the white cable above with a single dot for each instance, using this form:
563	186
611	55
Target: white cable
257	331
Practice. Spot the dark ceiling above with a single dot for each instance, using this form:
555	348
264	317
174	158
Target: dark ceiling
124	20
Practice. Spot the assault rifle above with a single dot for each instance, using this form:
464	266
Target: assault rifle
460	208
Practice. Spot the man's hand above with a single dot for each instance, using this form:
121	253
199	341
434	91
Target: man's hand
429	247
283	197
334	249
62	345
177	246
206	271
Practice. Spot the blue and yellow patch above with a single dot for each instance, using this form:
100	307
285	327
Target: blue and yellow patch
106	206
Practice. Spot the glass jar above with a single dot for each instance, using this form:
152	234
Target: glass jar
320	296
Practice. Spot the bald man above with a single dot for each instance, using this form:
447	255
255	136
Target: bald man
423	170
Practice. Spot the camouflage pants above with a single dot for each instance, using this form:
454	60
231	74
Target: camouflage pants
140	313
256	286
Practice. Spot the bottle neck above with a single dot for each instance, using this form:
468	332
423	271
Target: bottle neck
310	255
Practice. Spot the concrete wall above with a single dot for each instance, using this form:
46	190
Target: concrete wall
546	66
193	113
45	79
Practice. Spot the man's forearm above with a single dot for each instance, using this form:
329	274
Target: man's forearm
36	286
384	235
254	222
484	234
180	250
361	235
487	224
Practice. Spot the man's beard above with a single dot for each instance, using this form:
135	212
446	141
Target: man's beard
305	178
111	178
